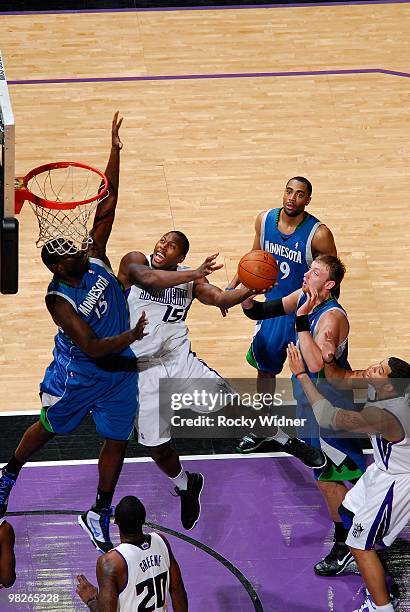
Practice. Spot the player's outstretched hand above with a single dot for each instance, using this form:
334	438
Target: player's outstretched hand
208	266
328	347
116	124
312	300
140	326
85	589
295	360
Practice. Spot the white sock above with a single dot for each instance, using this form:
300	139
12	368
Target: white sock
387	608
280	436
181	481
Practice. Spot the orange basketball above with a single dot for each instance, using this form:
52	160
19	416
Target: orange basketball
258	270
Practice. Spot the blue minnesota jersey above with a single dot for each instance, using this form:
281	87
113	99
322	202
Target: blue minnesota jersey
338	397
100	302
74	384
293	252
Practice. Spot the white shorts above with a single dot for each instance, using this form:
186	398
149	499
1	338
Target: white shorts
181	363
379	502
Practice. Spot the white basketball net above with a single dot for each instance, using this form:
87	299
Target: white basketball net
64	231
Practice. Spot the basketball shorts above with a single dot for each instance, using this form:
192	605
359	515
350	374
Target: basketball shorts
181	364
268	349
111	399
376	509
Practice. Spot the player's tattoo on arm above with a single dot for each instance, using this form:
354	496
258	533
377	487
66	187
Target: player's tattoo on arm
352	421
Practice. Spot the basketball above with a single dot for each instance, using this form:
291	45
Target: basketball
258	270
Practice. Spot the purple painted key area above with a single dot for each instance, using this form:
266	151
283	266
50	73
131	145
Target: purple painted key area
264	515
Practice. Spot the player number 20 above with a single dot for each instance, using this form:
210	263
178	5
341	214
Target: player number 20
155	590
285	269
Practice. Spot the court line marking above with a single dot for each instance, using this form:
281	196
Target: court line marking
62	462
257	604
223	7
222	75
19	412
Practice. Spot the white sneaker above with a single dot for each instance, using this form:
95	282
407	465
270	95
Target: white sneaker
368	605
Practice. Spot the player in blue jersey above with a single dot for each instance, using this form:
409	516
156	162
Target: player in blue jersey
319	312
93	369
294	237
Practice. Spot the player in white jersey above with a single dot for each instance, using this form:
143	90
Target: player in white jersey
165	353
7	558
377	508
139	573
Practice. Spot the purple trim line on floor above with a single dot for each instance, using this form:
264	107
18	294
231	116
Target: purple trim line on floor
183	77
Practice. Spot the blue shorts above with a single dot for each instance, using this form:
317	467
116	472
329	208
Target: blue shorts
346	461
110	397
270	342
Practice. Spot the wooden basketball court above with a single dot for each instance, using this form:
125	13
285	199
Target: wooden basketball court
252	97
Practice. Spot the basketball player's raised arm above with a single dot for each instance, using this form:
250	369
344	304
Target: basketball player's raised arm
255	247
273	308
105	213
337	376
7	557
177	590
134	270
83	336
210	295
372	419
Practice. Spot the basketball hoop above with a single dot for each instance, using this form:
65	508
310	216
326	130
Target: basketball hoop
63	196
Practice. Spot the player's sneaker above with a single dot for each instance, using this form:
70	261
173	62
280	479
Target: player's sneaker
250	443
368	605
97	524
7	482
307	454
191	500
336	562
